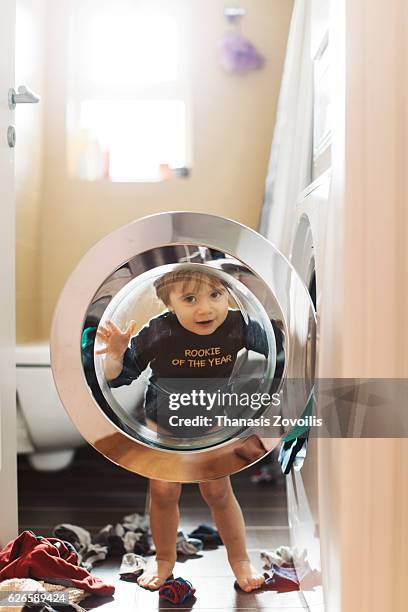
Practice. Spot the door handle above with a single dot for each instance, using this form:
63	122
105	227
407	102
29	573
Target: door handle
23	96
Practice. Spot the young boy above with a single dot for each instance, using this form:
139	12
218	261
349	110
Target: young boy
198	322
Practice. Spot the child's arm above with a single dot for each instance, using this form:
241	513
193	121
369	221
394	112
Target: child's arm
116	343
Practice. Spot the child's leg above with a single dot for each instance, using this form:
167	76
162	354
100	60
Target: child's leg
164	521
228	518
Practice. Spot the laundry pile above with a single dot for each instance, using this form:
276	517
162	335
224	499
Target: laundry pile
51	561
288	568
49	564
131	539
132	535
64	561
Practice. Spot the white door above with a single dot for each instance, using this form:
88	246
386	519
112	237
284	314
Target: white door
8	474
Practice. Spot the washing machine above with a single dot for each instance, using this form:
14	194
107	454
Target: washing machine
300	171
273	328
308	258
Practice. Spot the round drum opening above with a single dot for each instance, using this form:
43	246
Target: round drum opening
182	315
175	355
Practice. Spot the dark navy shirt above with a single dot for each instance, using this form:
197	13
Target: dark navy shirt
181	360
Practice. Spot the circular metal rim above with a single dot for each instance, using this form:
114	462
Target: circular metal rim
107	255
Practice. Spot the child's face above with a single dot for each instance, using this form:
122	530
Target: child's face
199	310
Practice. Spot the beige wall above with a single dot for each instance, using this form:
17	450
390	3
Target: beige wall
233	121
28	167
363	482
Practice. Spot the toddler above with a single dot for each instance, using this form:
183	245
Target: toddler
198	321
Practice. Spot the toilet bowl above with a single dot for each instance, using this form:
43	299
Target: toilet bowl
45	431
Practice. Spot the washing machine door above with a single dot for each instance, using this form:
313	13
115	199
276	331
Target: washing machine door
183	346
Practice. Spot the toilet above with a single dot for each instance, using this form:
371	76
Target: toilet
44	431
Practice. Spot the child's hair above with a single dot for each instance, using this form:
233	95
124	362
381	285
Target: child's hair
191	280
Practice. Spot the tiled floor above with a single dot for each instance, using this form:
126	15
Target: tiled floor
211	576
94	492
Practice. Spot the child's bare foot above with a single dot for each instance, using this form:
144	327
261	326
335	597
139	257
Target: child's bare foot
156	574
247	576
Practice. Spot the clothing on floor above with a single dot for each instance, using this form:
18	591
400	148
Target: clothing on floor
80	539
279	556
130	539
136	522
48	559
176	590
188	546
132	567
207	534
132	535
282	579
286	566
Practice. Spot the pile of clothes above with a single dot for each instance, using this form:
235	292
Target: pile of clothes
132	535
51	561
37	564
131	539
64	562
287	569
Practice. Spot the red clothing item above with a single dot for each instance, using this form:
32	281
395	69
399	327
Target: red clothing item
283	579
48	559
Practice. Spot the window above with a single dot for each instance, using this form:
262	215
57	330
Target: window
128	113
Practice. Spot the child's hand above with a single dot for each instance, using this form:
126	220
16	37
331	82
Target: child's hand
116	341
